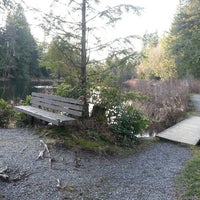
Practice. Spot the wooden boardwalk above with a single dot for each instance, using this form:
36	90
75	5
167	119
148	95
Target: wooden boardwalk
188	130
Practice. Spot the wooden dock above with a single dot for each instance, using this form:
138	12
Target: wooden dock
186	131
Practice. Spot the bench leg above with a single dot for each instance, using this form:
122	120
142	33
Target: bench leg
32	121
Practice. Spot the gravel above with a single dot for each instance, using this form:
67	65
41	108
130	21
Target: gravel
148	175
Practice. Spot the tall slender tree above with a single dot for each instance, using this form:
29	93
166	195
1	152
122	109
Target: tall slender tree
78	28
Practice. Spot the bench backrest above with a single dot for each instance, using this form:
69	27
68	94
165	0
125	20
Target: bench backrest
71	106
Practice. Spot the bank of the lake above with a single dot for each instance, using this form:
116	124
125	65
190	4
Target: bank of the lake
14	90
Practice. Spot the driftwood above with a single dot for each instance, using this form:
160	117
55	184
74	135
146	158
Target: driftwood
59	184
3	170
68	187
12	177
3	174
4	177
45	146
42	153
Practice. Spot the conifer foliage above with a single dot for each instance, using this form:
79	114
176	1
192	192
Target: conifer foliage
18	48
184	39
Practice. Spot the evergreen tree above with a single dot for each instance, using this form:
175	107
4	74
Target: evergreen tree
184	39
21	47
61	61
3	70
6	4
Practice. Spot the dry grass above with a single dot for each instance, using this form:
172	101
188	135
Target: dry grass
166	104
194	85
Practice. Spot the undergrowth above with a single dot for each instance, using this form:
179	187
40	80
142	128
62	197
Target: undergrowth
6	113
89	140
166	103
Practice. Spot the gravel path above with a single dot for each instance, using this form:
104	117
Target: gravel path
148	175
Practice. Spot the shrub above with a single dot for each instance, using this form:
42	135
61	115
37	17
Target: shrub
67	90
28	100
194	85
22	118
109	101
6	113
129	124
167	102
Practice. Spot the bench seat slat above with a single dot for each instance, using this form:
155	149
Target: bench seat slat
54	118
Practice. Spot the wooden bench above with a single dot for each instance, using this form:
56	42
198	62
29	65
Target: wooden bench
53	109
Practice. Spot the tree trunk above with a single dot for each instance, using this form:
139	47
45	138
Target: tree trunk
83	60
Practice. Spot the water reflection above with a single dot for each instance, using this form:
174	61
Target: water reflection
15	90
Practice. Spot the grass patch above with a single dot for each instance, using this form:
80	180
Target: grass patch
188	182
99	143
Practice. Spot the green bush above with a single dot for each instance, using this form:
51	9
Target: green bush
6	113
23	119
27	101
67	90
112	100
129	124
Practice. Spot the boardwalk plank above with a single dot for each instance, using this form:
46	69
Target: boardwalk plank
186	131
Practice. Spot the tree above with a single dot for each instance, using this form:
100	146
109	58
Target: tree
60	61
156	62
121	66
184	39
168	67
2	54
150	40
151	57
78	27
21	48
6	4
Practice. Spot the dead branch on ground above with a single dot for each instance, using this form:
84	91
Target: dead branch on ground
3	174
43	151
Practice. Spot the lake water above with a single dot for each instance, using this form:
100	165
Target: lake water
15	90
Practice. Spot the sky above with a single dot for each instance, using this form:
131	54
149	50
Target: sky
157	16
